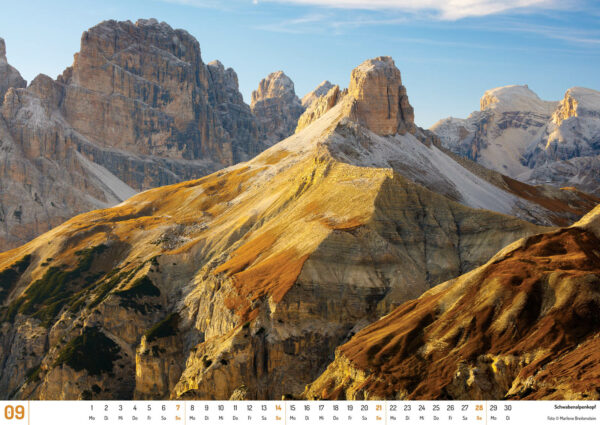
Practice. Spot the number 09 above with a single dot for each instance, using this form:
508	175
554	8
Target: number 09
14	412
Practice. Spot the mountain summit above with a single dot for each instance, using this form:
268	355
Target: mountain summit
380	100
9	76
276	107
243	283
532	140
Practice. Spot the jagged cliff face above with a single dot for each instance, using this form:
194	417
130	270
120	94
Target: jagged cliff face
520	327
243	283
320	105
138	109
380	100
45	180
535	141
276	107
154	94
321	90
9	76
574	129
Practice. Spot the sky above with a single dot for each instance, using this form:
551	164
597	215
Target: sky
448	51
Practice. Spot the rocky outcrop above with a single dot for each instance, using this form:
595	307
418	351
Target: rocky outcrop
159	360
321	90
519	328
9	76
44	179
276	107
581	172
138	109
235	115
532	140
243	283
573	130
320	106
381	103
155	95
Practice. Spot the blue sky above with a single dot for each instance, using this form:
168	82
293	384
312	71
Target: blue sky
449	51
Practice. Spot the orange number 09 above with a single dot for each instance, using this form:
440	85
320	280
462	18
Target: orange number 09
14	412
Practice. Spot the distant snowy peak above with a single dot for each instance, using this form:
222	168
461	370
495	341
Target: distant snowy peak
525	137
578	102
587	99
515	98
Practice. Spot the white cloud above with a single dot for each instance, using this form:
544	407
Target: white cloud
445	9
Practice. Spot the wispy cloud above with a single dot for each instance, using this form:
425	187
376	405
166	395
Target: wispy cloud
561	31
442	9
557	33
312	23
331	23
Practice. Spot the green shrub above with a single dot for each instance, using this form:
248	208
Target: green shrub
33	374
166	327
92	351
45	298
142	287
11	275
111	281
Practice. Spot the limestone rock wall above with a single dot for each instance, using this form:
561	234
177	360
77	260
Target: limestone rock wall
276	107
9	76
381	103
137	109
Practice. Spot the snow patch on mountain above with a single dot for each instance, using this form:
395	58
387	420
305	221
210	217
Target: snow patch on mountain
518	134
515	98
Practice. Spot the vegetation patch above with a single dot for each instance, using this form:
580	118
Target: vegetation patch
45	298
166	327
91	351
87	255
142	287
11	275
111	281
33	374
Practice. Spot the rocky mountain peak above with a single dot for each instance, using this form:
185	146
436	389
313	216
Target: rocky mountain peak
276	85
2	50
321	90
380	100
9	76
158	73
227	79
276	107
122	43
515	98
320	105
137	109
578	102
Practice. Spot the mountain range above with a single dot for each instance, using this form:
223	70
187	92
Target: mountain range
532	140
137	109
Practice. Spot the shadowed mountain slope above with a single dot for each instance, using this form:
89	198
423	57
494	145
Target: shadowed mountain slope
524	326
